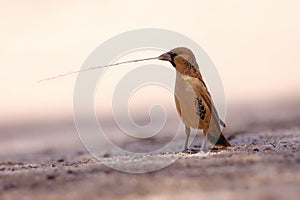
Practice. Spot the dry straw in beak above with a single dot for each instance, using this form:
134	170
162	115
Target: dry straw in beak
92	68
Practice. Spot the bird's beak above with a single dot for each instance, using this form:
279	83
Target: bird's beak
165	56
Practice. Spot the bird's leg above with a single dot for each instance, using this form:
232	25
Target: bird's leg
207	145
203	146
187	132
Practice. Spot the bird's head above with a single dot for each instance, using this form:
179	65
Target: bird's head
182	59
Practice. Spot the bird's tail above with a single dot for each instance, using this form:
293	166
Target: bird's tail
220	142
214	133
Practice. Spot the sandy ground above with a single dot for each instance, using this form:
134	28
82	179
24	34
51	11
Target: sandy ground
264	163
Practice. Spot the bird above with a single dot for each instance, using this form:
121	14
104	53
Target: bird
193	101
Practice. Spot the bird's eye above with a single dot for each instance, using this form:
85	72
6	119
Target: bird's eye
172	59
173	54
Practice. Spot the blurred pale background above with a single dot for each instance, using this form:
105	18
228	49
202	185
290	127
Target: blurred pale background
254	44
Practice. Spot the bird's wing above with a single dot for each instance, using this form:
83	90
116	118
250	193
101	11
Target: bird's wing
222	123
204	95
213	129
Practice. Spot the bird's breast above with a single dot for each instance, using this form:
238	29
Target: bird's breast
186	97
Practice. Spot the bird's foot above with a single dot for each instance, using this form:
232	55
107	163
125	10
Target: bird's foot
184	150
208	147
204	149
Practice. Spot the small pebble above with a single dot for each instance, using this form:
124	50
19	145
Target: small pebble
50	177
61	160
